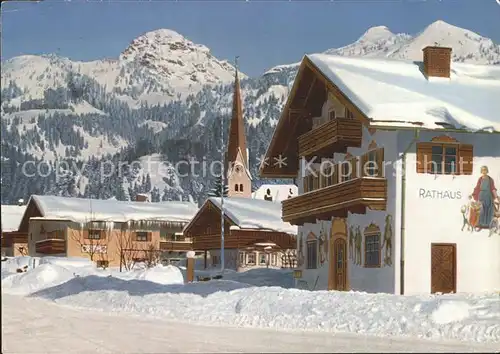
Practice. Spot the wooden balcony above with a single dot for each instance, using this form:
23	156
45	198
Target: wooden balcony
335	201
176	246
328	138
51	246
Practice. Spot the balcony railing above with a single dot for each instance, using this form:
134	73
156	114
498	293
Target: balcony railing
177	246
328	138
336	200
50	246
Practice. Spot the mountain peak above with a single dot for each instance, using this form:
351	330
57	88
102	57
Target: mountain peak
375	34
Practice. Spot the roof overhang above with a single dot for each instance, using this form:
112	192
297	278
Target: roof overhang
305	101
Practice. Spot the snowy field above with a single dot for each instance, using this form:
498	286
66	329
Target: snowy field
60	289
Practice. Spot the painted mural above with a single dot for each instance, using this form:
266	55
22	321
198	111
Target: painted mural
483	209
387	242
355	244
323	245
300	256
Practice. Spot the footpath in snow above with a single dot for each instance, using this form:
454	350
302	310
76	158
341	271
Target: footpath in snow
160	292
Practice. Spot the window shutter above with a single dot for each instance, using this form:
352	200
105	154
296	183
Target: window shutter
466	159
380	162
424	157
150	236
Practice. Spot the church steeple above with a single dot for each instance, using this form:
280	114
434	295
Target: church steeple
237	139
238	178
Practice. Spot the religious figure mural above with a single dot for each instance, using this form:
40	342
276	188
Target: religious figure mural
323	245
483	210
300	257
358	244
352	236
387	242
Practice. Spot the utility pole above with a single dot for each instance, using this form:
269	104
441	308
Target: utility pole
222	178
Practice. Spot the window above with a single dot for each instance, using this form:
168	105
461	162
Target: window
241	187
94	234
263	260
141	236
274	259
331	115
251	258
372	250
242	258
236	187
215	260
312	254
450	157
372	163
348	114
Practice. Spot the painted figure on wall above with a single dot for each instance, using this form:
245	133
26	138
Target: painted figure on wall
358	242
300	257
484	193
323	245
387	243
352	236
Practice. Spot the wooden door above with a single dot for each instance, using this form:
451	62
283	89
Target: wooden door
443	268
340	264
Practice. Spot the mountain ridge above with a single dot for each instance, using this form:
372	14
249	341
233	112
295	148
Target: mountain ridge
144	103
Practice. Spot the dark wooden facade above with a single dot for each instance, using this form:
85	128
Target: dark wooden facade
176	246
294	136
13	237
335	201
51	246
333	136
205	232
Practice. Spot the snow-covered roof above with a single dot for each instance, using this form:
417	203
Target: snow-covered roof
389	91
12	216
279	192
84	210
248	213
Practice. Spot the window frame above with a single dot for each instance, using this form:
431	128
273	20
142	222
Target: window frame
368	251
463	157
312	250
91	233
139	236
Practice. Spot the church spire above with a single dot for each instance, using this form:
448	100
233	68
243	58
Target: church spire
237	140
239	179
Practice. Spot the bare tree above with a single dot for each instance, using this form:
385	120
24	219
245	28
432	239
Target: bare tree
93	238
125	248
152	256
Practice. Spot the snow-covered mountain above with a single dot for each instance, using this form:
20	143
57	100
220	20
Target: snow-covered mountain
380	42
163	97
156	67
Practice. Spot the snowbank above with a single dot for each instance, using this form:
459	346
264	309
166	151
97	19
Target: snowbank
75	262
43	276
13	263
159	275
459	317
159	292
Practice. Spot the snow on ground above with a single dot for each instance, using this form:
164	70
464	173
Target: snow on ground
232	302
43	327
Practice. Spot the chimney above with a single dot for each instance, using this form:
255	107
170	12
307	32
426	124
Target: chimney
141	198
437	61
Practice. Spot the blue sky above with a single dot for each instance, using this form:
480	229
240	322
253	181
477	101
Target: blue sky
262	33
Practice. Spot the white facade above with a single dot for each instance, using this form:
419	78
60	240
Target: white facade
433	214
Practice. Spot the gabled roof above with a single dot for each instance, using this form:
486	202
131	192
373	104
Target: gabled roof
12	216
82	210
248	213
397	92
384	93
